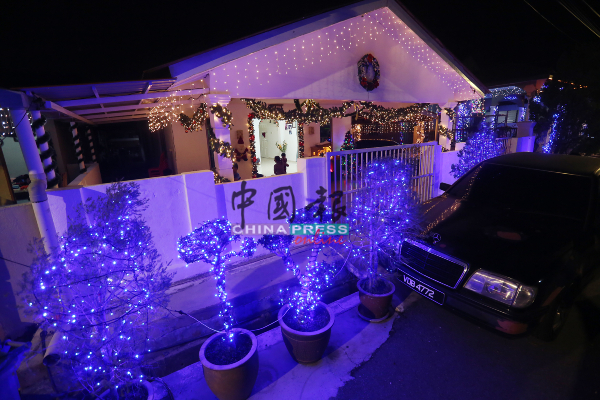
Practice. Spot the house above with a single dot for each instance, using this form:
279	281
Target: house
259	94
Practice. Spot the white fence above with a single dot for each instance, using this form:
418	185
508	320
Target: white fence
347	168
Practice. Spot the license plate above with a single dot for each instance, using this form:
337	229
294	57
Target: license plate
423	289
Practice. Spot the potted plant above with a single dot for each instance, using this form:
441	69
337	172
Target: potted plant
229	358
98	290
305	321
383	214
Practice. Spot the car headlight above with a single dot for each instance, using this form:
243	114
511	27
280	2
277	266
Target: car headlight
501	288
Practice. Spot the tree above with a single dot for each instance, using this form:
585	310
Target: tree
348	142
101	288
317	275
210	243
383	215
479	147
568	113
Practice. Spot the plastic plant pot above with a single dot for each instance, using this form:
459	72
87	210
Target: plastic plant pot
232	381
375	306
306	347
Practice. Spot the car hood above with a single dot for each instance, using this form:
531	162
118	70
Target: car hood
526	247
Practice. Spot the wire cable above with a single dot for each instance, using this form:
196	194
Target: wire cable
581	18
547	20
594	11
12	261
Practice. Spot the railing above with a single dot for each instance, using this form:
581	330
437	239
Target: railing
347	169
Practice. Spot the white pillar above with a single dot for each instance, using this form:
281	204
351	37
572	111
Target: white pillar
39	133
223	165
37	188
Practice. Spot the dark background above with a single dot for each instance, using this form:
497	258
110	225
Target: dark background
62	42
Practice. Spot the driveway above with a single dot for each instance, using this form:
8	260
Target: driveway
435	354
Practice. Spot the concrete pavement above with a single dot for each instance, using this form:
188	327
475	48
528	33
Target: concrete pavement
353	341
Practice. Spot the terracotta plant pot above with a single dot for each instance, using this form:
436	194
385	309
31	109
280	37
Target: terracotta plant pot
306	347
232	381
375	306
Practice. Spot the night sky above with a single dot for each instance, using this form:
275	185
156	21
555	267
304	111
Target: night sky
62	42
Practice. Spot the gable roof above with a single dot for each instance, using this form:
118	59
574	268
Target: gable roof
194	67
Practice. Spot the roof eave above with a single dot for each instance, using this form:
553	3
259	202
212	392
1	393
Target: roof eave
209	59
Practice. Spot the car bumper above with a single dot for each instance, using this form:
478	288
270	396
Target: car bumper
482	310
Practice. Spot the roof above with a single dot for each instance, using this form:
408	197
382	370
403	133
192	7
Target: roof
190	68
418	70
576	165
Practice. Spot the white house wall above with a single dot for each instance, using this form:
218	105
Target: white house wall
323	65
191	149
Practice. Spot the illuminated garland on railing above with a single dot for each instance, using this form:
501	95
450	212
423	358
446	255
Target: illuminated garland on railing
252	140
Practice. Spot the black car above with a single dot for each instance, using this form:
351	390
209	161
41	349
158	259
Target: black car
511	242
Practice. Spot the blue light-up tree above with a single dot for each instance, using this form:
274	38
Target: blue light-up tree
382	215
317	275
479	147
210	243
100	289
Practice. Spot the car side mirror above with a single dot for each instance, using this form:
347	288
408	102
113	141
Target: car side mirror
445	186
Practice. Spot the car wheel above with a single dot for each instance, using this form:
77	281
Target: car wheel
554	321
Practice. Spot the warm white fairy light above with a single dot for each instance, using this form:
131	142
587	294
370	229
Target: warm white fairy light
307	51
169	110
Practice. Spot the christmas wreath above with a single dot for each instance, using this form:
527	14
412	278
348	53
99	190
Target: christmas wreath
363	66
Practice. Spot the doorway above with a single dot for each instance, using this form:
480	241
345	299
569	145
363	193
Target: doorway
273	138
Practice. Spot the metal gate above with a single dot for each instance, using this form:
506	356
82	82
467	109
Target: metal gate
347	168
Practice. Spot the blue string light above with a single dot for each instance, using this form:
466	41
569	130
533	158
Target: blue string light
554	130
317	275
481	146
209	243
383	214
100	288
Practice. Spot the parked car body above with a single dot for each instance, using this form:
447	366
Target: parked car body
511	242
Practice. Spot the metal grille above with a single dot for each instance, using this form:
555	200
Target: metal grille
347	169
432	264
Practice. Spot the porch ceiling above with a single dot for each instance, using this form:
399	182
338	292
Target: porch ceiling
99	103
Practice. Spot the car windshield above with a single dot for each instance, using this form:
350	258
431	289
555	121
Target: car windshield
526	190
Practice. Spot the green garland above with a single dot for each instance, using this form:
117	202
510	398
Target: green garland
223	114
196	121
219	178
222	148
201	115
311	112
252	140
